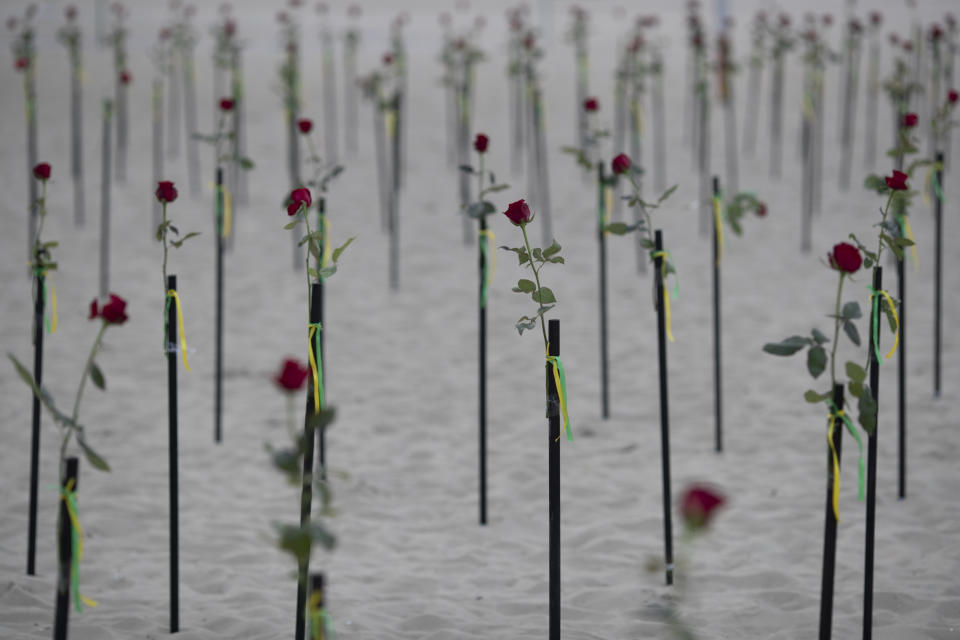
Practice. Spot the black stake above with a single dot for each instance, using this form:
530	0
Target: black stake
317	299
172	412
218	366
602	257
293	144
121	107
703	153
380	148
664	404
902	381
38	310
659	129
717	366
483	369
350	92
105	204
553	473
806	195
395	199
938	277
873	89
65	551
306	488
830	526
776	116
872	465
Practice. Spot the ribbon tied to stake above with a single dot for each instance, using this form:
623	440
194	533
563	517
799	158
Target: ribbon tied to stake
51	319
907	232
321	623
325	256
172	295
875	297
69	497
718	224
841	414
487	239
560	382
316	365
666	293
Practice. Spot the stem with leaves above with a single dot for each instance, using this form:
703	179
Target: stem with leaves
87	368
536	277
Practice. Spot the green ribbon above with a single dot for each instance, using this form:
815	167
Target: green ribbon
559	373
676	276
318	383
937	189
875	321
41	274
856	436
321	625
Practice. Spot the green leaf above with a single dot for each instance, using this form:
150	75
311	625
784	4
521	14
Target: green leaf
543	296
646	243
556	260
291	225
321	420
851	330
867	410
496	187
667	193
816	360
96	376
327	272
466	168
313	273
521	254
787	347
616	228
855	372
818	336
525	286
876	183
339	250
246	163
179	243
551	250
538	254
851	311
856	388
480	209
813	397
299	540
92	456
526	323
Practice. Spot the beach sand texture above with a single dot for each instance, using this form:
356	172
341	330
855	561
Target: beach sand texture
411	561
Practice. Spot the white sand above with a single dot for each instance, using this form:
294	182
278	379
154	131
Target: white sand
401	369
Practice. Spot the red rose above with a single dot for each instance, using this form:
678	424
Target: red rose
42	171
114	312
481	142
784	20
894	39
22	63
125	77
11	23
71	12
898	181
909	120
952	96
282	17
166	192
908	46
621	164
697	505
590	104
305	125
229	28
936	32
846	258
299	198
387	59
518	213
529	41
226	104
876	18
291	375
762	209
165	33
827	19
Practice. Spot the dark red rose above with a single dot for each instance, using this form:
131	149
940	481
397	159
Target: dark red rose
481	142
936	32
762	209
126	77
827	19
113	312
165	33
22	63
282	17
591	104
299	198
698	503
894	39
291	376
952	96
529	41
909	120
784	20
42	171
898	181
876	18
620	164
518	213
11	23
70	12
846	258
907	46
459	44
166	192
854	26
229	28
387	59
226	104
305	125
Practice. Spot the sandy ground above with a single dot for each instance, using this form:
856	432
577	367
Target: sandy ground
411	561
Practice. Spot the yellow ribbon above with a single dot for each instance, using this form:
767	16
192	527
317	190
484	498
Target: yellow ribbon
836	464
66	495
227	212
325	260
896	321
928	186
607	204
314	369
908	231
171	293
666	293
718	223
53	305
560	384
315	615
390	121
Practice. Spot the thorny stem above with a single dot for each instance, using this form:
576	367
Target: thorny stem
536	276
306	220
83	381
480	179
883	219
836	333
42	213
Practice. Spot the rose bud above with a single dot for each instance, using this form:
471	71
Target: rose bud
909	120
784	20
876	18
165	33
827	19
529	41
898	181
620	164
11	23
299	198
166	192
952	96
305	125
762	209
113	312
229	28
846	258
894	39
125	77
71	13
22	63
518	213
590	104
291	376
226	104
698	504
936	32
480	143
42	171
387	59
282	17
907	46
